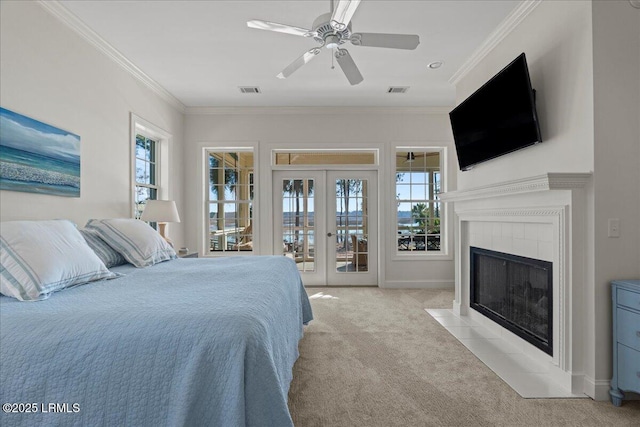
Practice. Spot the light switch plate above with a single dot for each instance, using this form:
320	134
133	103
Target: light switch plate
613	229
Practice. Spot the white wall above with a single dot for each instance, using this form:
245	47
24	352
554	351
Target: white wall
49	73
320	128
584	60
556	38
616	51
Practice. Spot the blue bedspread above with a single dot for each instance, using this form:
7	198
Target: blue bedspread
188	342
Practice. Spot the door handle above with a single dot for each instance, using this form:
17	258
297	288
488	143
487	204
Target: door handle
329	234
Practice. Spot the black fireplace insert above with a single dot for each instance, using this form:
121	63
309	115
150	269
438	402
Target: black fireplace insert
515	292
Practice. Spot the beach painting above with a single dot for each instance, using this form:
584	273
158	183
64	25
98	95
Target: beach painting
38	158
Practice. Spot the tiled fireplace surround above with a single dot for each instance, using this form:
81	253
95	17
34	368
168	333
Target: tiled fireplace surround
542	217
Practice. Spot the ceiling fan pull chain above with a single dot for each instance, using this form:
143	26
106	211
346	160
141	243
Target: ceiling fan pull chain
332	66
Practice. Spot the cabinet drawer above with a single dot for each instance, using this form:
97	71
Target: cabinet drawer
628	369
629	299
628	329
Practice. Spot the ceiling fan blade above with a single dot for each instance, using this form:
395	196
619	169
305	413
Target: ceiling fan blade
306	57
280	28
342	13
348	67
393	41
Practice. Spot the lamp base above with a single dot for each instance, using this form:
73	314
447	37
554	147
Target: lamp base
162	229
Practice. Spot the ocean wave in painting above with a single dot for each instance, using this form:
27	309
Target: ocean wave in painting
38	158
22	173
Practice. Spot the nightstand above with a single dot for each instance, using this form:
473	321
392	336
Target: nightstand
188	255
626	339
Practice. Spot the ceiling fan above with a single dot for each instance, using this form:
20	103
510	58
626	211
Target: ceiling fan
411	156
332	30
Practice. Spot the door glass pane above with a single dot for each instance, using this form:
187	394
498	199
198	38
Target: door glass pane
351	225
298	226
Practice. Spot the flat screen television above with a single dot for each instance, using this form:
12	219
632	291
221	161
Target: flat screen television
498	118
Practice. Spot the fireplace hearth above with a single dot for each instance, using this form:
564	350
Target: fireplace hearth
515	292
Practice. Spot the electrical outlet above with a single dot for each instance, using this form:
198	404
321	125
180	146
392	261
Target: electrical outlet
613	229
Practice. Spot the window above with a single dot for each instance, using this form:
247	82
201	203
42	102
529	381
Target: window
230	196
418	184
146	177
149	164
325	157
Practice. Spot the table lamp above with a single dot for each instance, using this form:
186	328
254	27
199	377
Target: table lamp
162	212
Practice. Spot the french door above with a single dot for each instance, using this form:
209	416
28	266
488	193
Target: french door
327	221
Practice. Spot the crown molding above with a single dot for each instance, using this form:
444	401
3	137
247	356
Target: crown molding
504	29
548	181
72	21
316	110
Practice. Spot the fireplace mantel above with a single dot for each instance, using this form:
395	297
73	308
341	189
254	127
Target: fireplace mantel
541	217
548	181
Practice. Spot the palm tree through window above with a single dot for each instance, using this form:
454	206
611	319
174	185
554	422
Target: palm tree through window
418	184
230	201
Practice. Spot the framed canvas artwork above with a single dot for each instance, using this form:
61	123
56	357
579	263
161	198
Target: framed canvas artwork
38	158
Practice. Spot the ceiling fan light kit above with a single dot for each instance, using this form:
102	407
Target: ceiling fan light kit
332	42
332	30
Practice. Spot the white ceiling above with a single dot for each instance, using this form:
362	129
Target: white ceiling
202	51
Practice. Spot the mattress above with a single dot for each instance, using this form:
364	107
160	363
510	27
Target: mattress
188	342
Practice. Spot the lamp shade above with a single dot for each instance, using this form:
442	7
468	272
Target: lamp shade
160	211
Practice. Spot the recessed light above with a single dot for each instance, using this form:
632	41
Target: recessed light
435	65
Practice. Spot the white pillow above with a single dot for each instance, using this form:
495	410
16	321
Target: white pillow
138	243
106	253
41	257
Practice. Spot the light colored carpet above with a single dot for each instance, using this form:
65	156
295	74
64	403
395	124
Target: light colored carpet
374	357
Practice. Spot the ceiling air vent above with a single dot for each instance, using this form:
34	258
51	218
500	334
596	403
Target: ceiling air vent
397	89
250	89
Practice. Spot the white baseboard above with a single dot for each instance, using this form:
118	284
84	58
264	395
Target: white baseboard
577	383
596	389
418	284
457	309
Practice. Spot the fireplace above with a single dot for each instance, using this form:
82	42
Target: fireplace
540	217
515	292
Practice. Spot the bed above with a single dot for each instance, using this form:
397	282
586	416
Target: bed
186	342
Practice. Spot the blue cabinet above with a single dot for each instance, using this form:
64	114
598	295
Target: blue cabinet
626	339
